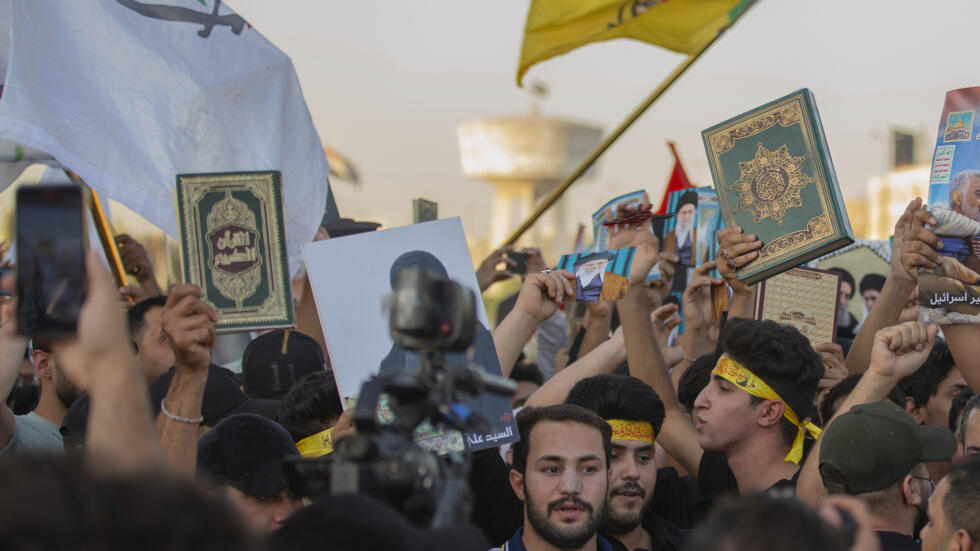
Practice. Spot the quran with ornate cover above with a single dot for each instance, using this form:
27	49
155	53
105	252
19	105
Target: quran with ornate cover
775	179
233	245
805	298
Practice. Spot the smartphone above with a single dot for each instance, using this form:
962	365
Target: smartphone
50	259
520	263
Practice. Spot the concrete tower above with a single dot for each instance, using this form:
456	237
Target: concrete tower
524	158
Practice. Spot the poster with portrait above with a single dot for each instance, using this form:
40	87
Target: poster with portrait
350	278
950	292
602	275
690	233
600	232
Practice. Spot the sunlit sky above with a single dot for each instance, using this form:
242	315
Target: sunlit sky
387	83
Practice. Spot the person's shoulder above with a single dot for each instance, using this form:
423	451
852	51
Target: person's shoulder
36	434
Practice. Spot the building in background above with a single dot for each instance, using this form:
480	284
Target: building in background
524	158
873	215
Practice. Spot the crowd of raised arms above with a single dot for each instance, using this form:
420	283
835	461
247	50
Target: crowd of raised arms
737	434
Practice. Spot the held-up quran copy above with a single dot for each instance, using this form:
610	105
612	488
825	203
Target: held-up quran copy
805	298
775	179
950	292
424	211
233	245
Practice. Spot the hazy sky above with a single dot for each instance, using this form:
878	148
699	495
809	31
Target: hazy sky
387	82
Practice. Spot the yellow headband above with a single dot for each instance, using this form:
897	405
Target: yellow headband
640	431
317	445
737	374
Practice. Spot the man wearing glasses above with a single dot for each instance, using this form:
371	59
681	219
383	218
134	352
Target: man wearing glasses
876	453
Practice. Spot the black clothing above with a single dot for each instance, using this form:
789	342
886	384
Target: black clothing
678	500
893	541
665	536
716	479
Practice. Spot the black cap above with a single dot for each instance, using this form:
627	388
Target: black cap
271	366
246	451
222	397
875	445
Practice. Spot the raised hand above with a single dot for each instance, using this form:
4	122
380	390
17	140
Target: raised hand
543	293
697	299
735	250
488	274
900	350
130	295
188	324
535	261
134	257
902	227
658	289
919	244
102	338
834	369
639	235
664	320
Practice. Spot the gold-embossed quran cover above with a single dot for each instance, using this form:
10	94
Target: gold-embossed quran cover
805	298
775	179
233	246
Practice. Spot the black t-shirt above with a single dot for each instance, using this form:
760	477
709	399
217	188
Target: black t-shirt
664	535
893	541
499	513
677	499
716	479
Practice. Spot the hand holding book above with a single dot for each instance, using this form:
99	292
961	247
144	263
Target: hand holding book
735	250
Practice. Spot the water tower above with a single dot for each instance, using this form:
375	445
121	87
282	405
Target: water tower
525	157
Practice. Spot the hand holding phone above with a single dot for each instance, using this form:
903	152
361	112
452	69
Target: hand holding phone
519	265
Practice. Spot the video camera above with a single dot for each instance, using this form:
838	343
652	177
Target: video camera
430	316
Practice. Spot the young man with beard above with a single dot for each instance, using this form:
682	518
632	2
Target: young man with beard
635	413
37	432
561	473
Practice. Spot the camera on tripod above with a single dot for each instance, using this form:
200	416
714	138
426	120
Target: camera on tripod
428	317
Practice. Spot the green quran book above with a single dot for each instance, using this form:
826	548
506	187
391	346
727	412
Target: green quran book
775	179
233	246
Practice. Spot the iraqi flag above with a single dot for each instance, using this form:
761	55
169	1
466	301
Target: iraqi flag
128	94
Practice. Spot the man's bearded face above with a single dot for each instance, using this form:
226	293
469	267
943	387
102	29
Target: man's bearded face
632	479
588	271
561	535
685	218
969	204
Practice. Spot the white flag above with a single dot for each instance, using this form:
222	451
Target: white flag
129	94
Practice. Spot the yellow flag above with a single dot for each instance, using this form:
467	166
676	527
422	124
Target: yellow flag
555	27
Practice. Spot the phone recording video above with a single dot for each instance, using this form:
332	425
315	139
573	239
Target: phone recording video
519	267
50	259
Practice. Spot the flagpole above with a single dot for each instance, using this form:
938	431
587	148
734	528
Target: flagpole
584	166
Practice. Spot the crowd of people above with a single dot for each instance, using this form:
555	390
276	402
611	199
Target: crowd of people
737	434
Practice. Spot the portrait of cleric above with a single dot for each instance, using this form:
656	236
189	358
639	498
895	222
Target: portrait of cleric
961	215
483	352
953	286
680	240
600	275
